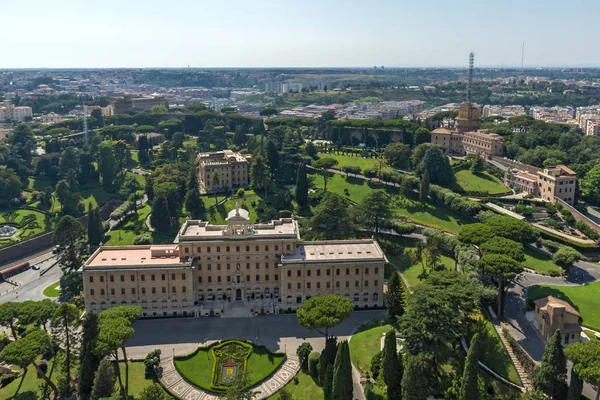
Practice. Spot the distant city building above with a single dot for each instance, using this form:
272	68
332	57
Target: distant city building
8	112
106	111
502	111
264	268
125	104
558	115
232	168
588	119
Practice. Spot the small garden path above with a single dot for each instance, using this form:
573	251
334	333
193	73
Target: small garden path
182	389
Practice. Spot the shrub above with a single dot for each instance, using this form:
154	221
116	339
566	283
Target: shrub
144	238
241	193
528	364
376	364
120	211
586	230
303	352
43	366
313	364
550	209
565	256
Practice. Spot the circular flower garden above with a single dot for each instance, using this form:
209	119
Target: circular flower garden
216	367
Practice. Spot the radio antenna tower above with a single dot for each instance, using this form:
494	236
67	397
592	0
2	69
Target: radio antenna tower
522	56
470	82
85	127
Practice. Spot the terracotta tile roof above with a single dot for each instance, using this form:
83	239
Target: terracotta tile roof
544	301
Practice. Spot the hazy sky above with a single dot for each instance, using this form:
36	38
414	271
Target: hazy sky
265	33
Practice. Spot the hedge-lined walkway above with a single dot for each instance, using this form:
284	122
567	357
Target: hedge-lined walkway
182	389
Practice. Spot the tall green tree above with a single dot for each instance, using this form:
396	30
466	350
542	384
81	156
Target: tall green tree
575	386
342	387
424	188
503	269
551	376
36	312
66	197
66	333
586	361
11	186
71	236
394	298
330	219
88	360
392	367
437	164
302	186
323	165
323	312
469	389
25	351
590	185
398	155
9	314
194	203
326	366
414	379
104	382
160	217
376	211
129	189
259	175
107	163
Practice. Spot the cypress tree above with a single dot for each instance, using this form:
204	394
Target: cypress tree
104	382
414	379
99	222
470	385
575	387
92	227
342	388
193	203
392	367
160	217
394	300
89	361
302	186
326	365
424	188
551	376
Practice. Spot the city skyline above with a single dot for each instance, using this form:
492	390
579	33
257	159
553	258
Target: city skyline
302	35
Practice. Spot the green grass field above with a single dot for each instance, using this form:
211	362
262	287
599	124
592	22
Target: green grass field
364	345
585	299
15	217
197	369
540	262
432	215
124	234
52	290
480	182
306	388
349	160
137	378
30	385
493	353
411	270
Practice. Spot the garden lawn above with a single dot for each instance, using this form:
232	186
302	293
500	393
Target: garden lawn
433	215
540	262
15	217
411	271
306	388
349	160
479	182
97	196
585	299
52	290
217	215
137	378
365	344
493	353
197	369
123	234
30	384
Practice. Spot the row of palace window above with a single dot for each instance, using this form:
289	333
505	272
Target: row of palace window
237	248
209	266
143	290
328	272
257	278
155	304
163	277
328	284
375	296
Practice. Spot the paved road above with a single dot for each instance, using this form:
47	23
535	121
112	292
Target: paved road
31	285
515	304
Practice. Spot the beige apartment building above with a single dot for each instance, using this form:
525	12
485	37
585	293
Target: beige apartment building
552	314
262	267
481	142
232	168
548	184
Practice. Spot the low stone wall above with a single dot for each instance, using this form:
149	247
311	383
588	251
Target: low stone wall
578	215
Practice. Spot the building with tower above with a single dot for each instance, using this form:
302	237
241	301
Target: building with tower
212	269
467	138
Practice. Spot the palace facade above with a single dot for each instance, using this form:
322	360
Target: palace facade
266	267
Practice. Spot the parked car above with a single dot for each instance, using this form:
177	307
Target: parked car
35	267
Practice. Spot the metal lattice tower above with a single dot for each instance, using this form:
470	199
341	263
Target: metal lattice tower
85	127
522	56
470	81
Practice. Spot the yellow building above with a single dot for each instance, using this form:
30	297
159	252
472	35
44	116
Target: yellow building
212	268
232	169
552	314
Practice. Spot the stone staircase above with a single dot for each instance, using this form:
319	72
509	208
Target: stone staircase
237	309
524	379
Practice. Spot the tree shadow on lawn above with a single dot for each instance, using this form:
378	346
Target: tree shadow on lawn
437	212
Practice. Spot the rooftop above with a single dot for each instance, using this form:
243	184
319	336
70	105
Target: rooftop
203	230
130	256
560	170
336	250
555	303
